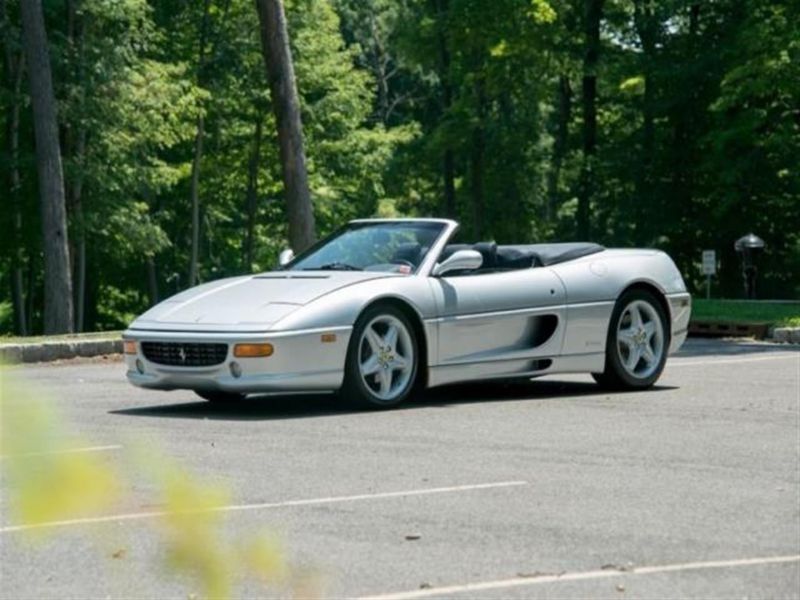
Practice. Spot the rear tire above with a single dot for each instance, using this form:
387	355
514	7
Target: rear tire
637	342
382	359
218	397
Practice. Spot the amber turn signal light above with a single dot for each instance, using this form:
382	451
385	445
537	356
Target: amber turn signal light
252	350
129	347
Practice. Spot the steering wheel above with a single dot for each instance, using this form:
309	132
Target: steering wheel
402	261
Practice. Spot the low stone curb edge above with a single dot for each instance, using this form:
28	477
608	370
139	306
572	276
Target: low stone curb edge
60	350
790	335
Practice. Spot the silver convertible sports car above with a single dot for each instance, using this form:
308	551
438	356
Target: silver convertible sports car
382	308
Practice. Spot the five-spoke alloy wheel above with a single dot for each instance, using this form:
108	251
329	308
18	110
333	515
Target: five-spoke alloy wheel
637	344
382	358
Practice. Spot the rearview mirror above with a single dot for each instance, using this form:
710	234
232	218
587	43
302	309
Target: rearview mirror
461	260
285	257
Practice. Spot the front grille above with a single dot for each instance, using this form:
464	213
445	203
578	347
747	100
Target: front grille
181	354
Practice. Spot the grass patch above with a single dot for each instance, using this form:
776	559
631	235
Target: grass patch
71	337
781	314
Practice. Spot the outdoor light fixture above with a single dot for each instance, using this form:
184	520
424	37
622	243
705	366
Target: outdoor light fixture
749	248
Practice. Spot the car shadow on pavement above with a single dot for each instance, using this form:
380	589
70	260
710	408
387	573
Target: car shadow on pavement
301	406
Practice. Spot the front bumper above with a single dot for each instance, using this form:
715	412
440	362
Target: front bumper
302	361
680	307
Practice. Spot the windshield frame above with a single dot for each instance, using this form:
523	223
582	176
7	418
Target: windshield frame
448	227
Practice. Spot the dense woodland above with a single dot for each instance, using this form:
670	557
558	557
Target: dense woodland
665	123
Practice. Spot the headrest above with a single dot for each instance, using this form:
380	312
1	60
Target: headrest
488	251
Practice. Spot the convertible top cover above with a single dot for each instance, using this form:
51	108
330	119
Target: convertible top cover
552	254
523	256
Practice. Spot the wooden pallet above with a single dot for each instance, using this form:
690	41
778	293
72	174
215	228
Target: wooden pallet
722	329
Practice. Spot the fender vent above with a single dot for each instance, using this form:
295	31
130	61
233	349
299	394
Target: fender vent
540	364
543	328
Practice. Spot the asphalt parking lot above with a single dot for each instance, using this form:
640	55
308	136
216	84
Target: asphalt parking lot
555	489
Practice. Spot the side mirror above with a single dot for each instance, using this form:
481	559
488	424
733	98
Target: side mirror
461	260
285	257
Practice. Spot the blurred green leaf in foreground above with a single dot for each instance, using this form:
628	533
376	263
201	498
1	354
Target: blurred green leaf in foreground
48	483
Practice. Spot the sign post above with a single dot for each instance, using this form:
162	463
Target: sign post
709	268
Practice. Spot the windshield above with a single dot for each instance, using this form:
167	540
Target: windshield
395	247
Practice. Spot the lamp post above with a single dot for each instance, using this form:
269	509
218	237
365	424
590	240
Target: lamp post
749	248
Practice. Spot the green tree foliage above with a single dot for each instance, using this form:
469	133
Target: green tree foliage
754	142
409	107
348	152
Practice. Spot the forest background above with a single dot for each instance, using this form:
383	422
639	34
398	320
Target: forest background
660	123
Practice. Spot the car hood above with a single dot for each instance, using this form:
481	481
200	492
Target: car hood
250	303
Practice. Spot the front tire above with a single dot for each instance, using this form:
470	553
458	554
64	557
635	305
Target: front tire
382	359
218	397
637	343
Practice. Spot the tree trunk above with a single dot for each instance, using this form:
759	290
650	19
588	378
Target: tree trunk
81	279
646	29
682	141
380	62
31	295
80	258
448	159
563	115
684	146
14	63
15	70
286	105
477	160
152	280
74	150
449	174
76	204
194	186
194	195
252	194
476	181
58	316
593	13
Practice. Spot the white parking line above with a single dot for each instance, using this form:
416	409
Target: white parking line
596	574
725	361
265	505
64	451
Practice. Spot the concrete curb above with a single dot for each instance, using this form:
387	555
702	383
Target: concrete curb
58	350
786	335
